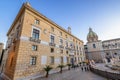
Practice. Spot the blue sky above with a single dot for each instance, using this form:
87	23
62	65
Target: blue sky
103	16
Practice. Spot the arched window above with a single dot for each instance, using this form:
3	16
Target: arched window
94	46
107	53
115	53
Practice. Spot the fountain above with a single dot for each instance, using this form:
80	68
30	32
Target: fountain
114	63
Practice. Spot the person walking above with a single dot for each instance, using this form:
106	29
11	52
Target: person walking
88	68
85	68
82	68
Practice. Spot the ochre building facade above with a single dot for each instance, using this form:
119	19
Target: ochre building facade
1	48
35	41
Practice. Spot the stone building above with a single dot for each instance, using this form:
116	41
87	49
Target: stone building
1	47
1	55
1	51
98	50
93	46
111	49
35	41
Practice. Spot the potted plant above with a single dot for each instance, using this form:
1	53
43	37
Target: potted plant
61	67
47	69
69	65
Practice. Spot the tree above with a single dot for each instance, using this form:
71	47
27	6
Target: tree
61	67
69	65
47	69
84	63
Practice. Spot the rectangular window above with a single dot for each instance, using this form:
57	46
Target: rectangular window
78	59
33	60
35	34
52	50
71	44
66	52
67	59
52	39
66	44
52	29
18	31
66	36
75	53
77	47
60	33
61	60
52	60
75	59
61	51
37	22
61	42
34	47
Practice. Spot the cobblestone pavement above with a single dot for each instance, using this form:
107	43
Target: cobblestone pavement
76	74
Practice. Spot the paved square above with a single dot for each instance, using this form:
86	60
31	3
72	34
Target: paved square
73	74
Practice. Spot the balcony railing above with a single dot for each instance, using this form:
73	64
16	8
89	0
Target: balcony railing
73	49
35	40
71	53
52	44
61	46
14	40
67	48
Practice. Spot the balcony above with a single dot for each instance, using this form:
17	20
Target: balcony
52	44
67	48
61	46
71	53
35	40
73	49
14	40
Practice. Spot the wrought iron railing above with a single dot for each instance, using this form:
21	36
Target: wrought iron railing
61	46
52	44
35	40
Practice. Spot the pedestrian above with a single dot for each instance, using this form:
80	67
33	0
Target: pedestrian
74	66
85	68
82	68
88	68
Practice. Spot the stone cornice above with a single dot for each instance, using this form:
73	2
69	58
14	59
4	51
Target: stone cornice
111	40
25	6
16	18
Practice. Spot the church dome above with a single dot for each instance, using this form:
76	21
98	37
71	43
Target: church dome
92	36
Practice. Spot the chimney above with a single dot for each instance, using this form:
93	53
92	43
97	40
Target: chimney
69	29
